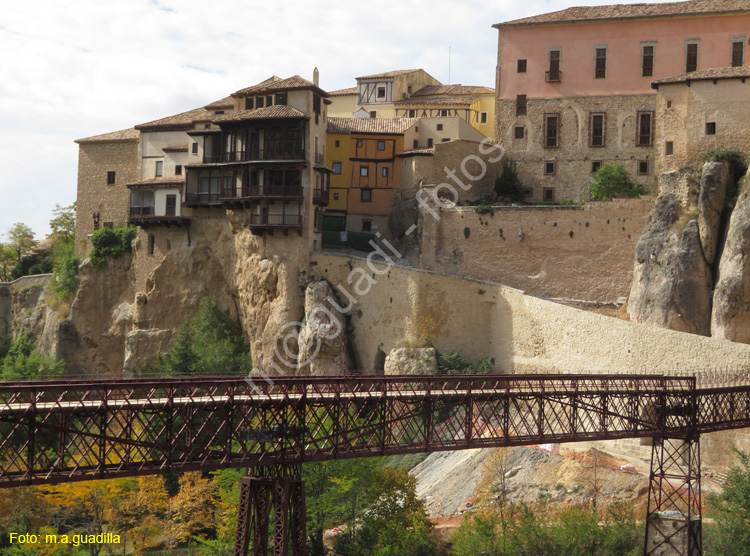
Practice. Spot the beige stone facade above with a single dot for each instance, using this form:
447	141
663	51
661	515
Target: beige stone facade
555	173
113	157
581	253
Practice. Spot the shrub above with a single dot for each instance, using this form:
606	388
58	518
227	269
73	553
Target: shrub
484	209
110	242
456	364
64	271
611	180
507	185
23	362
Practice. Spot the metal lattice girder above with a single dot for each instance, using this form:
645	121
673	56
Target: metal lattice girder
77	430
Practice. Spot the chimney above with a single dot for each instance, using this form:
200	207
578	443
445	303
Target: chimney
316	77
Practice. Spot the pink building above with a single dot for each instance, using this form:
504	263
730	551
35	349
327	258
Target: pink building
574	87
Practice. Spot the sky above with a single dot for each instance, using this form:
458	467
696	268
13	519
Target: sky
79	68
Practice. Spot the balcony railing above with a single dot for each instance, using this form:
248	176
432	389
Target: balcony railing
553	76
276	220
197	199
320	158
140	212
263	192
257	154
321	196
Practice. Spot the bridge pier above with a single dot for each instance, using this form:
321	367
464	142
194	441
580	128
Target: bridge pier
673	520
278	490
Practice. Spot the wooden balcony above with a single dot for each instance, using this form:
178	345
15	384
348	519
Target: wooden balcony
260	223
321	196
257	155
202	199
554	76
257	193
145	218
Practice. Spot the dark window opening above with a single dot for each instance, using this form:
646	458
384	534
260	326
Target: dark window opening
601	63
521	105
335	196
373	114
281	99
171	205
595	165
381	145
111	178
711	128
596	132
645	129
250	103
643	167
381	92
553	74
336	168
337	143
261	102
429	143
366	225
483	117
178	170
669	148
738	53
549	168
548	194
551	130
366	195
691	62
151	244
521	66
519	132
195	148
647	61
440	127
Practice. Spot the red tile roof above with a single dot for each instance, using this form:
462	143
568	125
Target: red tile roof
113	137
276	83
437	100
425	151
389	74
633	11
708	74
269	112
223	104
344	92
459	90
382	126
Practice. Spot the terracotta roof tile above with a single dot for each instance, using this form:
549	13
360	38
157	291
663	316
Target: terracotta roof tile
269	112
425	151
130	134
395	126
276	83
184	120
705	75
344	92
458	90
633	11
156	183
389	74
223	104
438	100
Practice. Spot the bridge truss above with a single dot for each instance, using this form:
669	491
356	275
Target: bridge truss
63	431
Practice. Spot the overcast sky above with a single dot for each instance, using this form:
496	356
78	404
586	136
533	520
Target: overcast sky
75	68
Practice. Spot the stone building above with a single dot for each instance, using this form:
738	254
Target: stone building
106	164
574	86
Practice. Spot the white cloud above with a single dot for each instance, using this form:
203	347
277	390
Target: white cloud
83	67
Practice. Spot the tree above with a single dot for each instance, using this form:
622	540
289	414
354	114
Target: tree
191	510
730	533
21	239
612	180
142	514
7	260
63	223
508	186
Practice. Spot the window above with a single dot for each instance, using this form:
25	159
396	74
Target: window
359	143
337	168
381	92
600	62
548	194
335	196
385	172
269	100
691	55
195	148
151	242
551	130
527	192
111	177
159	168
738	52
373	114
109	225
596	130
381	145
337	143
555	56
519	132
415	144
412	113
669	148
710	128
366	225
249	103
549	168
521	105
366	195
445	113
445	140
669	104
364	171
440	127
647	60
483	117
521	66
643	167
595	165
281	99
429	143
171	209
260	103
645	125
178	170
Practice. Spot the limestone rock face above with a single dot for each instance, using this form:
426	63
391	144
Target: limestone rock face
710	206
671	280
731	309
411	361
322	338
141	345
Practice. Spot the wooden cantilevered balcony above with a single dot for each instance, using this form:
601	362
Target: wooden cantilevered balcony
553	76
256	193
260	223
273	152
145	217
321	196
202	199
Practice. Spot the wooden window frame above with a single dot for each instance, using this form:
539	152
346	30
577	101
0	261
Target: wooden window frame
195	148
639	136
522	66
178	169
364	171
550	167
598	164
519	132
159	170
111	177
249	103
640	168
333	168
735	63
547	117
483	117
548	194
383	88
381	143
647	60
365	192
599	140
521	105
669	148
555	64
690	64
600	62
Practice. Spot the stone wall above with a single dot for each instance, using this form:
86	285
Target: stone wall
95	159
573	157
582	253
522	334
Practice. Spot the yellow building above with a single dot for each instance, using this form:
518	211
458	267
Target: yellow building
474	104
337	158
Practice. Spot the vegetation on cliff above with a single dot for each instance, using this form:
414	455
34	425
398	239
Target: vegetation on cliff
612	180
110	243
20	360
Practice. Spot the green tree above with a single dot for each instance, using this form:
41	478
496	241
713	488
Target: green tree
20	239
7	261
612	180
110	243
23	362
508	186
63	223
730	511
